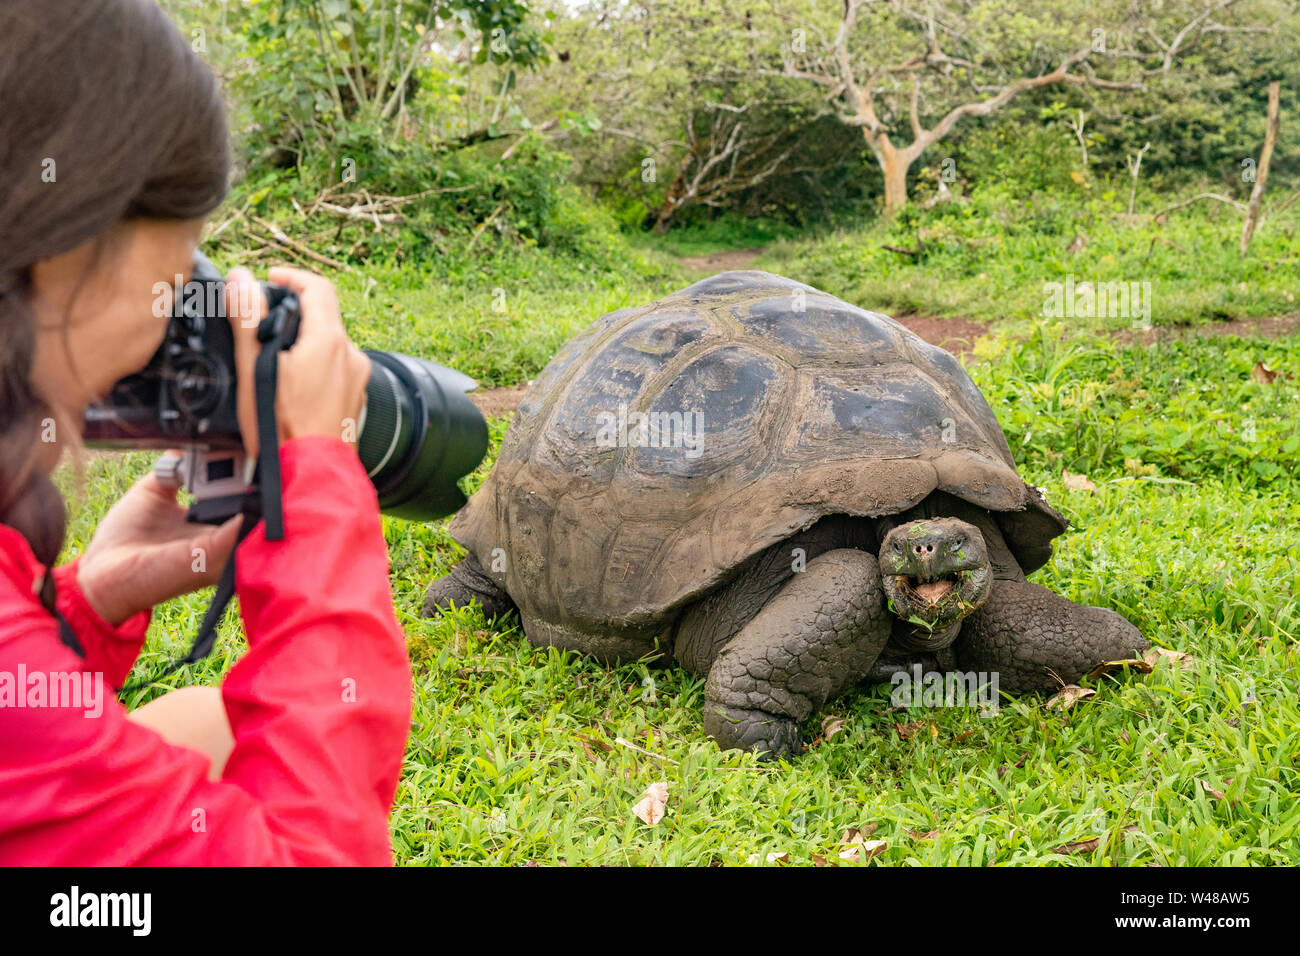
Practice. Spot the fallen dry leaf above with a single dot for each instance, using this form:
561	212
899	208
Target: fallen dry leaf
819	860
595	742
861	851
1074	482
831	725
1216	794
928	835
1110	667
776	858
858	834
906	731
1083	846
650	808
587	743
1175	658
1069	695
1263	374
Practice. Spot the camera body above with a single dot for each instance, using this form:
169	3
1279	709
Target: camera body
417	435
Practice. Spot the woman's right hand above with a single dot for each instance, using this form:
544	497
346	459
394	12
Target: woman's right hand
321	383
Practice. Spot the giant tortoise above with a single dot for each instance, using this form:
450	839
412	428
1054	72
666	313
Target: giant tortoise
781	492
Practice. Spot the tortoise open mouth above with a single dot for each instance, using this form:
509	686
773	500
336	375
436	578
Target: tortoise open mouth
931	590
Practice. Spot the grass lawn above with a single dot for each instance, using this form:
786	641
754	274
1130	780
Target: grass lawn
1193	533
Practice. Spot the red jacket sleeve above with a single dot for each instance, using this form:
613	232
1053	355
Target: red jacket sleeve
319	706
109	650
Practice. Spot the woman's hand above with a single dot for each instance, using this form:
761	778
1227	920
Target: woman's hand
322	378
144	552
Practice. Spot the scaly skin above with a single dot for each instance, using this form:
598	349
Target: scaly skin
1036	640
944	550
467	582
818	636
776	645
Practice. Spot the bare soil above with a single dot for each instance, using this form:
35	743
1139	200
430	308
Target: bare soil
499	402
721	261
956	335
1269	327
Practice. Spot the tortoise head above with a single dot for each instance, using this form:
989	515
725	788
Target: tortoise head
935	572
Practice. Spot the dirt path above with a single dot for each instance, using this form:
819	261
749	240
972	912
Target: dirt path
721	261
957	335
499	402
1270	327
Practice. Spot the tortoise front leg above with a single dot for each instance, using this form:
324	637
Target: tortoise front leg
467	582
1035	639
816	638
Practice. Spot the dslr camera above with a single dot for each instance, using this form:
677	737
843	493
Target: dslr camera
417	435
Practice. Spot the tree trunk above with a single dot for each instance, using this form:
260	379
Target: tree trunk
667	210
894	164
895	171
674	199
1261	171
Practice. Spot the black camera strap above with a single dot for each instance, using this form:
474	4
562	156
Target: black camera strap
265	379
262	502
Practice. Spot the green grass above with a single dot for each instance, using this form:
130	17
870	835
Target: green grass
498	333
1191	534
715	235
989	258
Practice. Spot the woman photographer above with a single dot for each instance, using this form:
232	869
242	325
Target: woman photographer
112	151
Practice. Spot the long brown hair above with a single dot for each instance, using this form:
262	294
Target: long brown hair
105	114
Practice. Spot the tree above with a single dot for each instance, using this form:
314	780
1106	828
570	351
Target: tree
314	68
889	67
721	155
669	109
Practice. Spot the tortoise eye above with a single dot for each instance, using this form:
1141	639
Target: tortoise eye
958	545
898	548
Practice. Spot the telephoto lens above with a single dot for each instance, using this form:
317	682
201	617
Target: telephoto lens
417	436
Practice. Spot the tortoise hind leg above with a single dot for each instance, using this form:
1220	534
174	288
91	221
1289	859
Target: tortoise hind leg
1035	640
816	638
467	582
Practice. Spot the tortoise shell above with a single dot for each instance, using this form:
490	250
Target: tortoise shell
803	406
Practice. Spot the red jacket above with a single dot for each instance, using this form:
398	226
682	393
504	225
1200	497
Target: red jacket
320	705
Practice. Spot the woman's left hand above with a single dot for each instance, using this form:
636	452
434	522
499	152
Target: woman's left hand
144	552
